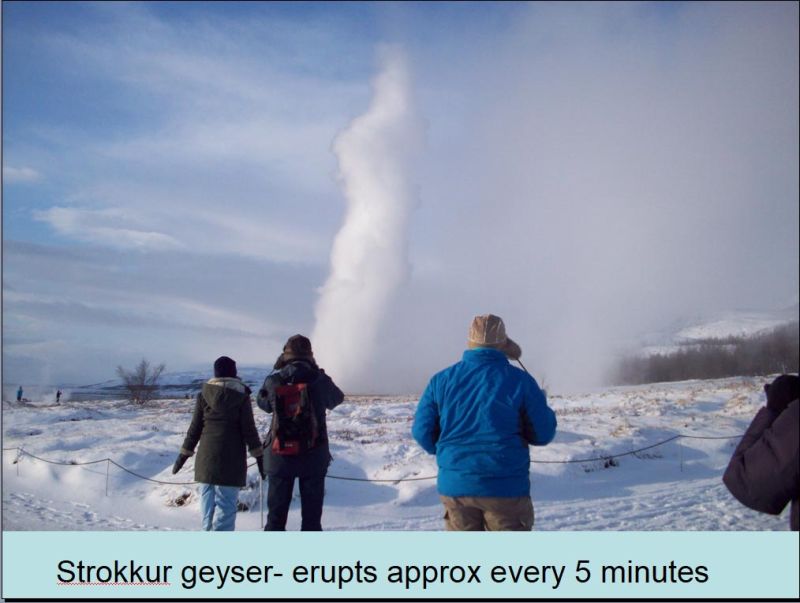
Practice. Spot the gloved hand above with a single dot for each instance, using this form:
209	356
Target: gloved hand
781	392
260	463
179	463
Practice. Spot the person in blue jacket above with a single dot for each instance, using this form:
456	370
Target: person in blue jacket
478	417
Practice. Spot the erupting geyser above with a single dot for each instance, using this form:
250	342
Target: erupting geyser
369	256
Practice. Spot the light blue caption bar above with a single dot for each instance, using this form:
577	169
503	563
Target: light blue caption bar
400	564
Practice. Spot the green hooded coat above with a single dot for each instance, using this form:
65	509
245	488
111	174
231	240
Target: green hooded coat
223	424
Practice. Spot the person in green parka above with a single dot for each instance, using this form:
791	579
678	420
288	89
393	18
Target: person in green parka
223	424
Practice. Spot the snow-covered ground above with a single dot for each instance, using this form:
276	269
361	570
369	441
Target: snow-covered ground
674	486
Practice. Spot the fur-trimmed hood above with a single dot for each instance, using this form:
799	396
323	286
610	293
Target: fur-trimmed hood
220	390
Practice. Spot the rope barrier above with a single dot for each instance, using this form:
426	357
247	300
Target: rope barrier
396	480
22	452
613	456
73	463
150	479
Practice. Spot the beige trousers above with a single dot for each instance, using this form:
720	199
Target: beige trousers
491	513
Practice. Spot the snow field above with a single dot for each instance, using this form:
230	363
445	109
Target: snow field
673	486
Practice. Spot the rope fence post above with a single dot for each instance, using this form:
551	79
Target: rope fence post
108	468
19	458
680	453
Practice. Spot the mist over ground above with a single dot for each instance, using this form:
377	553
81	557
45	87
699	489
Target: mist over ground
614	175
590	172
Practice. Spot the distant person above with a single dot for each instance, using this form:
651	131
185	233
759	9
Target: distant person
19	394
298	394
764	472
58	397
478	417
223	424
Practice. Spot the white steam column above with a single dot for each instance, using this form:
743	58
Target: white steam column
369	255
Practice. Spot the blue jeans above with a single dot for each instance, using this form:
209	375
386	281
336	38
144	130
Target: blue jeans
221	500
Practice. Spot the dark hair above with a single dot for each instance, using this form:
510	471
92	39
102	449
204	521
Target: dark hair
224	367
298	346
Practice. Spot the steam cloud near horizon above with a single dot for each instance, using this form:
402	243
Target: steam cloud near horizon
369	255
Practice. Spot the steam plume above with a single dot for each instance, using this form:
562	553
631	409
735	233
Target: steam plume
369	255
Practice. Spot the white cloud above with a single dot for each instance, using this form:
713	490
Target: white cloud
113	307
110	227
19	174
237	146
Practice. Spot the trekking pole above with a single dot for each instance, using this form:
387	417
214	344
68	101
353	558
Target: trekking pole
522	365
261	500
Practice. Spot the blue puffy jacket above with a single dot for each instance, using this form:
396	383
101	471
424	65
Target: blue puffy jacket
478	417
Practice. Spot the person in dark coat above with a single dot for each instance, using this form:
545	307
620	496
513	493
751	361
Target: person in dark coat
296	365
764	472
223	424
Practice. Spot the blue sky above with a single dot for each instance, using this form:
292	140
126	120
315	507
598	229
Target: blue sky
170	189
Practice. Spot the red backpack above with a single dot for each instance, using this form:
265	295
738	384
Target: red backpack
294	423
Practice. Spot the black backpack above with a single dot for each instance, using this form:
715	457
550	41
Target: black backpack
294	422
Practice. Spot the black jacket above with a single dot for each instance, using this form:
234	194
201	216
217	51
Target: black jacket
324	396
764	472
223	424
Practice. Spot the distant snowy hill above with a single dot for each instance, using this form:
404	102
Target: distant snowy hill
728	324
737	324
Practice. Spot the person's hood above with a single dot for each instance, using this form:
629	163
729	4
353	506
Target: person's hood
218	390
